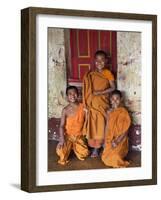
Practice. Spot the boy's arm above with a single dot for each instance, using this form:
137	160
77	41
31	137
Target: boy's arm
85	110
112	88
61	128
119	139
126	121
107	119
107	138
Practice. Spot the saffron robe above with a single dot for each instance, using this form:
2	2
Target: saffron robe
74	139
97	106
118	123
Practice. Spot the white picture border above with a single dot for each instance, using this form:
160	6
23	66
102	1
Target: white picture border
43	177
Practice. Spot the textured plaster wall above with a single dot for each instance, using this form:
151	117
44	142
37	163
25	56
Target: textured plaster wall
128	74
56	72
129	71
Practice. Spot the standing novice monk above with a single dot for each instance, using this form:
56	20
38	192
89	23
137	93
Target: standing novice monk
96	88
71	125
116	139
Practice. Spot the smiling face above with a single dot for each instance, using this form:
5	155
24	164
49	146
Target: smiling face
72	96
115	100
100	61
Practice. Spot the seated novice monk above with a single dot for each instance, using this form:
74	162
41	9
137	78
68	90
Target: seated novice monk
97	86
71	125
116	139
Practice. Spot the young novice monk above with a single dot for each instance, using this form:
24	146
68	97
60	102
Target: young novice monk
116	142
97	86
71	137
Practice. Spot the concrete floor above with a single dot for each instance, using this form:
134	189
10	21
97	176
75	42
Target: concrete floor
89	163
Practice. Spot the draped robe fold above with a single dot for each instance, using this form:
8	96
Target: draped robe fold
97	105
118	123
73	138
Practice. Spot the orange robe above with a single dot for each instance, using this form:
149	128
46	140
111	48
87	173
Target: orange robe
73	138
97	106
118	123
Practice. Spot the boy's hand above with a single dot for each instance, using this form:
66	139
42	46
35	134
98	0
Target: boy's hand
61	143
113	144
96	93
117	140
85	110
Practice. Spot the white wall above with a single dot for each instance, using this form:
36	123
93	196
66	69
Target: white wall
129	71
56	72
10	98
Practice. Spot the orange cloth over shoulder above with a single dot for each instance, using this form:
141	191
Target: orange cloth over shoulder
96	105
118	123
74	124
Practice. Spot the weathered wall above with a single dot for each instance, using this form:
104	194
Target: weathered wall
56	72
129	71
128	74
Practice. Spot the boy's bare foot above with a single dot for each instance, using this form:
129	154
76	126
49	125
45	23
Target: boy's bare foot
94	153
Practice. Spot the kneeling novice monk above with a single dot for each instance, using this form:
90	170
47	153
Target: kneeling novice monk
71	125
116	141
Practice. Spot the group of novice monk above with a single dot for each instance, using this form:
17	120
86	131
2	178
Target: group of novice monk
100	121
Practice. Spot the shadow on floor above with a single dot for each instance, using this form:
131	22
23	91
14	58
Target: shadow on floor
16	185
89	163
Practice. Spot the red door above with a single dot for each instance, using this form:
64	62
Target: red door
83	45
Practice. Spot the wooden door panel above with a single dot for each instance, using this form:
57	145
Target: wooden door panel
83	45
